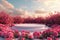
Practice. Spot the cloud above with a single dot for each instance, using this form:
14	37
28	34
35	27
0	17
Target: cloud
51	5
39	11
42	13
49	2
39	1
42	0
7	4
18	12
2	7
8	7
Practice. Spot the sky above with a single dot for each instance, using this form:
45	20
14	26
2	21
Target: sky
32	5
29	7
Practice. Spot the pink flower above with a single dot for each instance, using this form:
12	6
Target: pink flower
56	39
23	39
23	34
36	34
55	33
11	35
49	38
16	34
30	36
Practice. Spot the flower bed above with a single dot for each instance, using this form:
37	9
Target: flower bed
8	34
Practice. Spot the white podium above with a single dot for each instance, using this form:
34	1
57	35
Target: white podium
30	27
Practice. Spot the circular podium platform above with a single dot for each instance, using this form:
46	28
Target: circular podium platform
30	27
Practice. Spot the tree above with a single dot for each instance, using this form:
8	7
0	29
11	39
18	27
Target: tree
40	20
5	18
18	19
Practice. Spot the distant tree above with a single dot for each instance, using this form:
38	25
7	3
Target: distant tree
53	19
18	19
29	20
40	20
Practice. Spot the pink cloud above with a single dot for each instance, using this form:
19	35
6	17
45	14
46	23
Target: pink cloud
7	4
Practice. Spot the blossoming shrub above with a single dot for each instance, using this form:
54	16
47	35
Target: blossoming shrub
36	34
16	34
18	19
40	20
56	18
53	19
29	20
5	18
49	34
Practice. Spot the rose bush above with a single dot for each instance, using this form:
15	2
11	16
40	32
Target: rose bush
29	20
40	20
50	34
5	18
18	19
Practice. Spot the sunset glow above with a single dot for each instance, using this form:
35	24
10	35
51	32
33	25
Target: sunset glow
33	8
